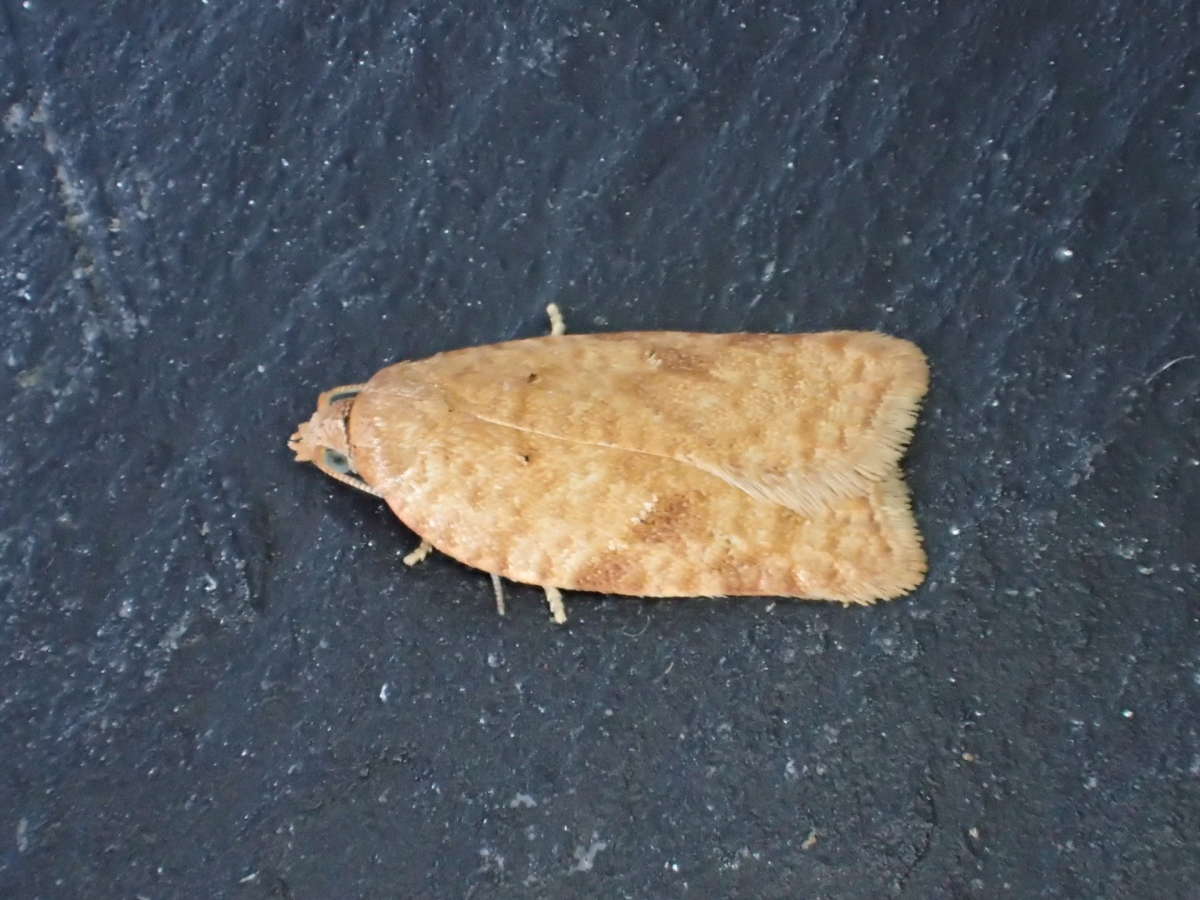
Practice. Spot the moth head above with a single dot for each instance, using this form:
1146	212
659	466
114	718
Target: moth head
324	440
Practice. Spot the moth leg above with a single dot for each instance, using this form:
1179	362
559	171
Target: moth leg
557	325
422	550
557	610
498	587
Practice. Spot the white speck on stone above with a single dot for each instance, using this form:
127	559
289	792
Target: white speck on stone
492	861
743	854
22	834
16	119
522	801
1062	254
955	531
170	640
384	692
585	857
768	270
789	770
1091	783
1127	713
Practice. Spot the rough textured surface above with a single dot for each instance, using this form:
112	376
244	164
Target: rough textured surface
652	464
219	679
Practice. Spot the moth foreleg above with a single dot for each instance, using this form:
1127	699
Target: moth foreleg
554	599
498	587
422	550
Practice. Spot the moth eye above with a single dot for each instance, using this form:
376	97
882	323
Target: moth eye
339	462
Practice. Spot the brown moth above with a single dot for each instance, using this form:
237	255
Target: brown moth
652	464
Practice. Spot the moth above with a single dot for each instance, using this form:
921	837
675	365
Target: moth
649	464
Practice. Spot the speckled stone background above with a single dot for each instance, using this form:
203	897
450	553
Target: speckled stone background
217	679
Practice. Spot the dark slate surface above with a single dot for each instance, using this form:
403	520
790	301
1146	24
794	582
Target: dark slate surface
216	679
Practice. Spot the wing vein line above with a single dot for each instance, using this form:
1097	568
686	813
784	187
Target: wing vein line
582	443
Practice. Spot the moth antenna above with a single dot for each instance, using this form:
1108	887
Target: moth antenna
357	483
339	393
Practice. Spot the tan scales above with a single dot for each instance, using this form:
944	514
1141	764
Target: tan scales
653	464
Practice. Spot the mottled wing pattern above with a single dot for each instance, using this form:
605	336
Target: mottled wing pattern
613	505
800	420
